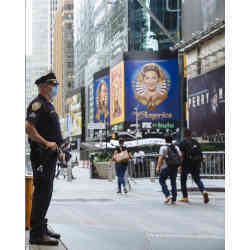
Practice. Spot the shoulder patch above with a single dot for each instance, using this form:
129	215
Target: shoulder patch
36	106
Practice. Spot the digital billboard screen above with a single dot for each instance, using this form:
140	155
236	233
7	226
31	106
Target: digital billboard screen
101	97
75	114
117	109
206	103
152	88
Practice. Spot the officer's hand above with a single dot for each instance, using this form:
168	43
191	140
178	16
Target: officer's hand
179	169
51	145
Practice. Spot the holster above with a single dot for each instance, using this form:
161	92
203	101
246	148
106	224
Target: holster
43	155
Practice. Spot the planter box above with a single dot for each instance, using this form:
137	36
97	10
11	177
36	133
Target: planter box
103	169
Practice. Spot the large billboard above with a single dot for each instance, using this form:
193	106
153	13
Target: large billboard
152	90
117	94
75	116
206	103
203	13
101	97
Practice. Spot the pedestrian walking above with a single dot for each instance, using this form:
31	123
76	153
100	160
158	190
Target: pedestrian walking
191	164
45	138
168	162
121	157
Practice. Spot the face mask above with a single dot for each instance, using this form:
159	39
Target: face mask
53	92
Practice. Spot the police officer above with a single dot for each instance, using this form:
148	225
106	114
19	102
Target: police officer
44	133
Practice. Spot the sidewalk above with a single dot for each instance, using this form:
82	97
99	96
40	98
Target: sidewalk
90	215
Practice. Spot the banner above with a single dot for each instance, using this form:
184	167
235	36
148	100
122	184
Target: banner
101	99
117	94
206	103
152	90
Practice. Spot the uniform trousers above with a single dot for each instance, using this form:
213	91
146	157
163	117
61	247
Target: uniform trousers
43	187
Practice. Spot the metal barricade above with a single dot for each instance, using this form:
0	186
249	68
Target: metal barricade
212	166
144	167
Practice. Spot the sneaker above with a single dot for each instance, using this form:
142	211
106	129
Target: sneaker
169	198
173	202
119	191
183	199
205	197
125	190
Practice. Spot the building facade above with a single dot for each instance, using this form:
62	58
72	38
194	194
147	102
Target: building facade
104	30
204	48
52	12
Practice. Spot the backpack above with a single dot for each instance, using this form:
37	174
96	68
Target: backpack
173	159
67	156
193	152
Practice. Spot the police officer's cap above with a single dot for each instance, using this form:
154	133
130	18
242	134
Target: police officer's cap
45	78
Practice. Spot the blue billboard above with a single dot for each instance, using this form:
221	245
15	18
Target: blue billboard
152	87
101	99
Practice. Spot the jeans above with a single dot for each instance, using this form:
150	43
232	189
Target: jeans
164	174
120	172
195	172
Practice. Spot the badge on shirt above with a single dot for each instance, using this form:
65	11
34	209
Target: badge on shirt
36	106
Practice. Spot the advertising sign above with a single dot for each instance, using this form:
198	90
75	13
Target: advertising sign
74	104
206	103
152	90
101	99
117	111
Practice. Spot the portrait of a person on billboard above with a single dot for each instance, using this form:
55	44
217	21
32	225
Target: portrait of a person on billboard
102	101
116	95
152	86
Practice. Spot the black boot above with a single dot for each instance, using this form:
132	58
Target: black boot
52	234
43	240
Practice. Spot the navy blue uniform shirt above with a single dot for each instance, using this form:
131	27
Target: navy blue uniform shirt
41	113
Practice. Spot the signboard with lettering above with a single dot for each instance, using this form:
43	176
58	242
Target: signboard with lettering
206	103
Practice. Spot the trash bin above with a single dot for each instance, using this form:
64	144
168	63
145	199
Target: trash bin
28	199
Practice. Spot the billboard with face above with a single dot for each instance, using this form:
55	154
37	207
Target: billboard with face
206	103
101	99
117	94
152	86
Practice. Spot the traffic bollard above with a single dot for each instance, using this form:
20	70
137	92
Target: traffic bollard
152	171
69	171
110	171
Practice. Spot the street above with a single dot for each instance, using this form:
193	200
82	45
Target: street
90	215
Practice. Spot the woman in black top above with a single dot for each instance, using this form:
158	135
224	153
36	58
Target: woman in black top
121	167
